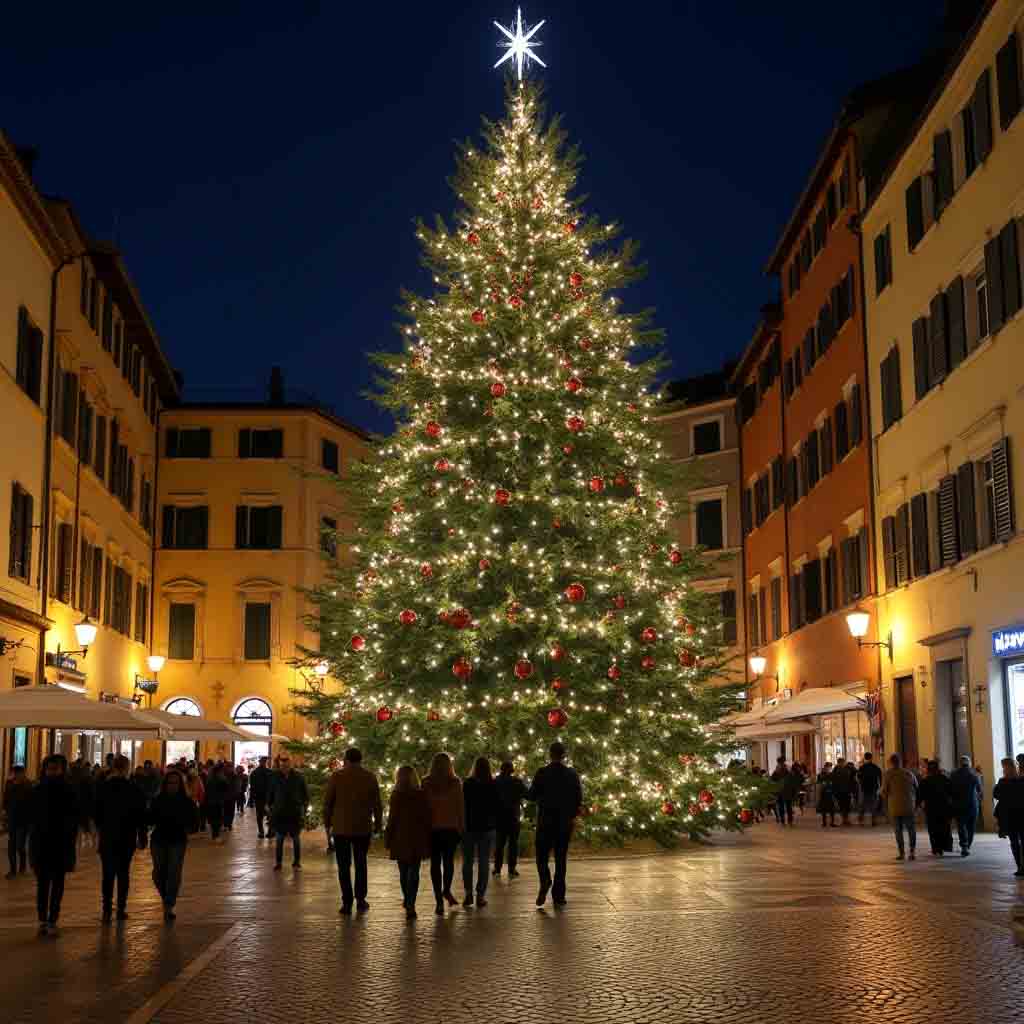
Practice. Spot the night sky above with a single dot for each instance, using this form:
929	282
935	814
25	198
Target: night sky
261	166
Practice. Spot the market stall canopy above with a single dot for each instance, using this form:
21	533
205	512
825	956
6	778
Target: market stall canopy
194	728
54	707
742	718
816	700
755	733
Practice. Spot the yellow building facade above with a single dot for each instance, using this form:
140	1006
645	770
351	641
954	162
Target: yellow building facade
247	512
943	240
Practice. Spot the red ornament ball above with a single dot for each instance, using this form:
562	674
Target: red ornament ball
557	652
614	672
384	713
575	592
502	496
567	449
746	816
484	564
537	202
515	302
473	238
357	643
558	684
462	669
596	484
433	715
557	718
649	635
647	663
442	465
687	659
570	227
408	617
675	556
575	424
575	280
584	343
705	796
574	384
695	809
523	669
478	316
460	618
668	808
513	610
498	389
619	601
620	480
433	429
426	570
556	523
337	729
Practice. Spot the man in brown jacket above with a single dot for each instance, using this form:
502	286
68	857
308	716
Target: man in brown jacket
353	811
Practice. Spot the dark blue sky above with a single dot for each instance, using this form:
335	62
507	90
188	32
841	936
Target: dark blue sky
261	165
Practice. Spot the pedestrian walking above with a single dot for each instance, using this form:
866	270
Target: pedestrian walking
447	823
172	815
290	799
352	806
230	796
407	835
17	811
241	789
259	789
511	794
869	777
120	821
787	790
965	787
844	784
826	806
82	780
196	792
899	791
51	843
481	800
558	794
216	789
1009	813
935	794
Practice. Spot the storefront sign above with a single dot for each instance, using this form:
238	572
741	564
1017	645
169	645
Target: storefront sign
1008	641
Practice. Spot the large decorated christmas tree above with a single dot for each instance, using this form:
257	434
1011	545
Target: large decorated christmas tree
511	578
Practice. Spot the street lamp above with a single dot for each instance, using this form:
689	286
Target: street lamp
857	622
155	663
758	662
150	686
85	634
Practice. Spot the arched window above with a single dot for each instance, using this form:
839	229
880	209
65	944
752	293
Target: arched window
183	706
255	715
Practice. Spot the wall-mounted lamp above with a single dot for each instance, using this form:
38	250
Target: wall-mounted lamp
858	621
85	634
150	686
156	662
758	662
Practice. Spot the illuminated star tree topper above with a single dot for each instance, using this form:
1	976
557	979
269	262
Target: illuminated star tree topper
519	44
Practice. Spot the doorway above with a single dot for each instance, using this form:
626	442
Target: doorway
255	715
906	717
952	709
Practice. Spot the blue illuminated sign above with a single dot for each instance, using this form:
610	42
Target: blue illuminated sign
1008	641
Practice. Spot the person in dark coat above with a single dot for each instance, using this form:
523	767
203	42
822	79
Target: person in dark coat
481	799
289	798
51	844
407	835
121	821
826	796
241	789
217	789
172	815
259	790
17	810
511	793
965	787
788	783
558	794
1009	794
869	776
937	797
844	786
230	796
82	779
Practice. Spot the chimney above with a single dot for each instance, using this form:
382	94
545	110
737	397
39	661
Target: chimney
276	386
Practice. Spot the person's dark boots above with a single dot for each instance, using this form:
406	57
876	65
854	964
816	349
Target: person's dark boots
122	914
468	901
439	909
452	901
481	901
362	906
108	915
542	895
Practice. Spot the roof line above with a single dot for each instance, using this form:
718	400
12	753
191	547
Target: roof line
264	407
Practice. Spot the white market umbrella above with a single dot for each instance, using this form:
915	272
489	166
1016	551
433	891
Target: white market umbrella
194	728
54	707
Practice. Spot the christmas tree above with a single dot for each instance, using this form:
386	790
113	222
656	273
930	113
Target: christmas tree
512	579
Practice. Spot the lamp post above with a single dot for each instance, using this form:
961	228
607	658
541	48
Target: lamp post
85	634
150	686
857	622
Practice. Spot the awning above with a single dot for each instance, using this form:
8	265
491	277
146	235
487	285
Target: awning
753	733
742	718
816	700
54	707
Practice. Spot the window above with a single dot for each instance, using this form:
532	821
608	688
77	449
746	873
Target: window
707	437
796	600
776	607
108	591
261	443
146	505
97	583
1002	274
825	443
85	429
141	611
842	432
1008	81
710	533
830	565
185	526
67	408
183	706
329	456
855	567
915	213
258	526
812	590
29	373
762	499
754	620
856	424
812	464
84	576
61	584
892	400
981	298
187	442
746	510
942	173
121	605
883	260
778	484
328	536
728	612
99	464
257	632
988	501
181	639
832	203
19	562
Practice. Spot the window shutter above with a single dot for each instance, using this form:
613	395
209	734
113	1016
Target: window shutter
795	621
942	176
812	590
994	283
791	482
981	106
242	526
938	353
1011	269
203	515
970	154
84	565
915	213
778	484
880	275
27	531
902	544
100	452
14	557
244	443
922	360
826	447
787	379
171	442
949	542
842	432
108	586
762	597
112	480
967	513
753	626
889	550
847	570
808	348
745	511
956	323
805	468
856	420
277	444
275	526
167	527
1008	81
1003	488
833	574
64	558
776	607
97	583
864	566
919	534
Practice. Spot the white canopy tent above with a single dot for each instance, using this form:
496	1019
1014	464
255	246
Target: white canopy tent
54	707
192	728
815	700
762	732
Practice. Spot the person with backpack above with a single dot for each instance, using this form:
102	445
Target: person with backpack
557	791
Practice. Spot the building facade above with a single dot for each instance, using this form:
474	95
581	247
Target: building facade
700	436
246	521
943	239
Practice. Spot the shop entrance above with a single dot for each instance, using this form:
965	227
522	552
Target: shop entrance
906	741
952	709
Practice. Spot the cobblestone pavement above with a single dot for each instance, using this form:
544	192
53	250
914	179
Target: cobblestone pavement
791	926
